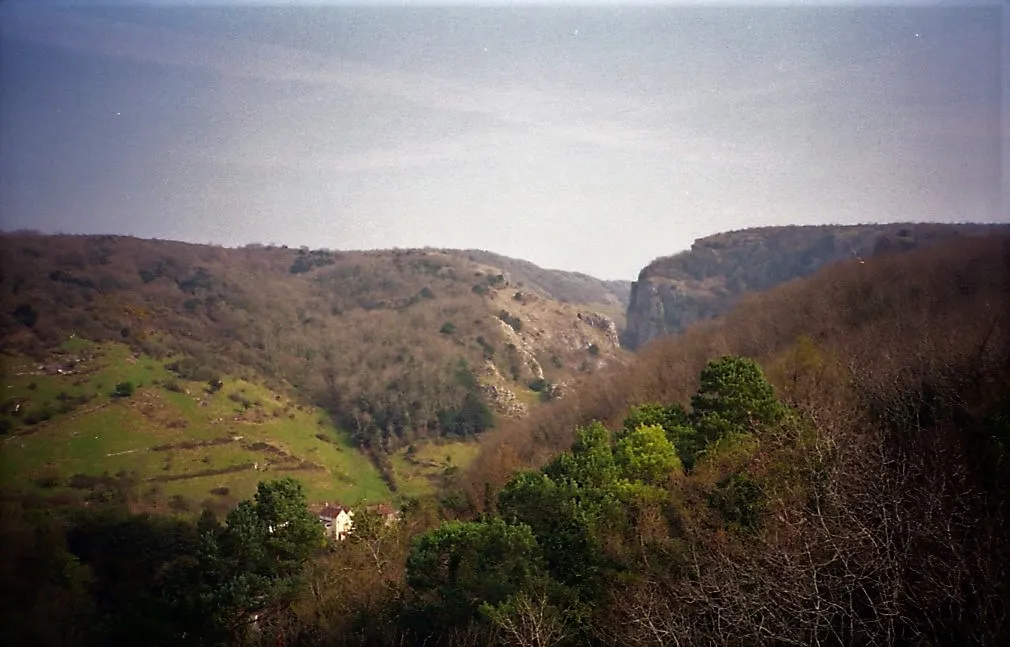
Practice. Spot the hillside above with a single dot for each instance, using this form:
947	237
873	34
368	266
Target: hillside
98	423
825	464
394	346
673	292
891	318
609	297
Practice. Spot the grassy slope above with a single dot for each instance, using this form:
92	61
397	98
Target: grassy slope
424	471
157	432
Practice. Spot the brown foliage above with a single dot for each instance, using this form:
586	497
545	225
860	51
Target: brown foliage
895	321
709	279
356	332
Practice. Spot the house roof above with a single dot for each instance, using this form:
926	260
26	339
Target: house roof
333	511
382	508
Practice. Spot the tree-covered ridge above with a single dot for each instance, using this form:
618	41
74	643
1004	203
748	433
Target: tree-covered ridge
673	292
394	344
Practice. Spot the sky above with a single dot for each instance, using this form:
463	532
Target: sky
592	138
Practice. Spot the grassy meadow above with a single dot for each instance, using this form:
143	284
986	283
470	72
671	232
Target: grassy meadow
72	429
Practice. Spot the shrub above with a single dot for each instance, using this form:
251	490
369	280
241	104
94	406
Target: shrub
513	321
41	415
48	481
739	500
25	315
124	390
179	503
487	348
240	399
447	328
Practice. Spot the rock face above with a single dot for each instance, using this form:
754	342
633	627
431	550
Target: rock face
602	323
673	292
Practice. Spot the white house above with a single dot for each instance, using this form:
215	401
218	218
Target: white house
337	519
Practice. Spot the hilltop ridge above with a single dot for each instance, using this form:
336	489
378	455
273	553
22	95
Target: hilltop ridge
672	292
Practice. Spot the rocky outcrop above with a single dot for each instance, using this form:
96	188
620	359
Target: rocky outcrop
602	323
524	349
503	401
673	292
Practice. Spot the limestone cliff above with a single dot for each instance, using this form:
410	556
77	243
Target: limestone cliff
673	292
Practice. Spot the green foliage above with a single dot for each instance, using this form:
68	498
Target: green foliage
675	421
650	413
256	559
472	417
118	578
124	390
646	454
276	525
448	328
143	567
562	517
458	567
739	500
45	599
569	505
591	461
734	397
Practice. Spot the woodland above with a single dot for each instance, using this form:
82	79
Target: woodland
824	464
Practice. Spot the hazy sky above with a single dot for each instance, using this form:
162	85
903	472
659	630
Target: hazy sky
590	139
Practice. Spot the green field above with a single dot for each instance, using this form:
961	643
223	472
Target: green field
424	470
172	443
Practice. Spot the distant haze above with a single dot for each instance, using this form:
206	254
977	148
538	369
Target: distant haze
588	139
